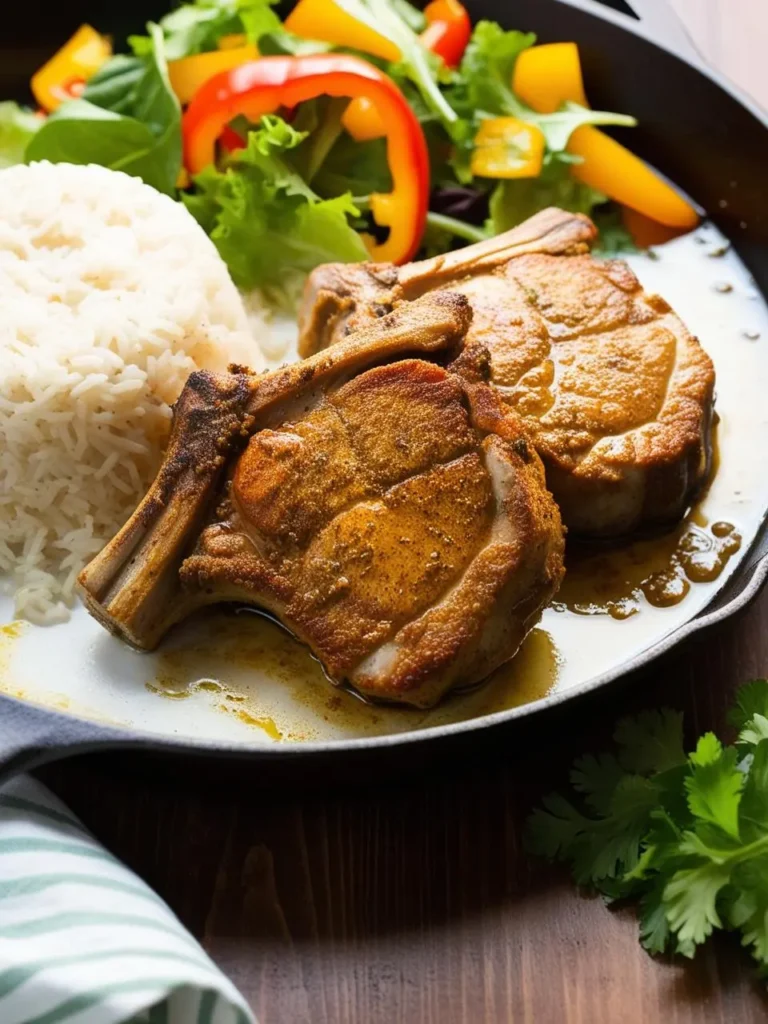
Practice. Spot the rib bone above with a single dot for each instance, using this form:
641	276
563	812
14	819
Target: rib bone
132	587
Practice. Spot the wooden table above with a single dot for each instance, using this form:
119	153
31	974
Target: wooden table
414	902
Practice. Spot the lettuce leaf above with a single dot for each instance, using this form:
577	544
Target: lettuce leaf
129	120
198	27
264	219
515	199
392	20
17	127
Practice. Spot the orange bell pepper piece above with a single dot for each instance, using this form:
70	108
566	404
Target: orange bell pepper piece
62	77
362	122
646	232
506	147
549	75
189	73
612	168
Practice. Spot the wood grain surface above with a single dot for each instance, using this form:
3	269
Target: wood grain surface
411	900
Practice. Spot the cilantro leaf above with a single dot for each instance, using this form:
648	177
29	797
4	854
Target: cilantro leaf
751	700
747	910
690	898
597	778
553	831
263	217
753	808
17	127
714	785
598	848
651	741
686	837
654	927
750	715
754	731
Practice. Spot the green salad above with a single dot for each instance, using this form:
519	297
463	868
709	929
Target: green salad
354	129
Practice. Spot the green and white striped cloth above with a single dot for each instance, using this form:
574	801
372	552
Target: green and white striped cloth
83	940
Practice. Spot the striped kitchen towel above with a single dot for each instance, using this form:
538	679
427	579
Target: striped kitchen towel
83	940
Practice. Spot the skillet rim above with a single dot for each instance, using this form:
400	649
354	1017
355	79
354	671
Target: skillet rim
33	734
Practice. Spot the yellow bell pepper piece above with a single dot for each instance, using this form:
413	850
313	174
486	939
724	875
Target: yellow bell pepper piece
547	76
363	121
326	21
506	147
189	73
611	168
77	61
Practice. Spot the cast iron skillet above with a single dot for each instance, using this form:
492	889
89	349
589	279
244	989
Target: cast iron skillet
698	130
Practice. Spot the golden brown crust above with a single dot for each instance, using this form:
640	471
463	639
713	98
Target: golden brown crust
615	391
620	407
401	527
395	518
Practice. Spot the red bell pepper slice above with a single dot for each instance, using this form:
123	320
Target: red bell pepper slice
448	30
263	86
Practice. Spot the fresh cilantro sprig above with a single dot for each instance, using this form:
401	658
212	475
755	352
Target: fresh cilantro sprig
684	835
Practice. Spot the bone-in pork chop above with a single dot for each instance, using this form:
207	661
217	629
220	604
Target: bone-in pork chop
615	391
392	514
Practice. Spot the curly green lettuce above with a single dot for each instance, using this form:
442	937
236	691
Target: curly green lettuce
263	217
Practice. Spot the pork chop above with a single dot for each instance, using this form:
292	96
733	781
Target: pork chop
390	513
615	391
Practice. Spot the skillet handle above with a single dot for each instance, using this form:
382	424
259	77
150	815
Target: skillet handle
654	19
31	736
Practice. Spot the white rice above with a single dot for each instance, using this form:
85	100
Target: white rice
110	296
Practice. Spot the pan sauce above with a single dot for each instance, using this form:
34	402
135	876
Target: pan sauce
240	678
656	572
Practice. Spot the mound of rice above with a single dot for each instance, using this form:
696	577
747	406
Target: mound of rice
110	295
